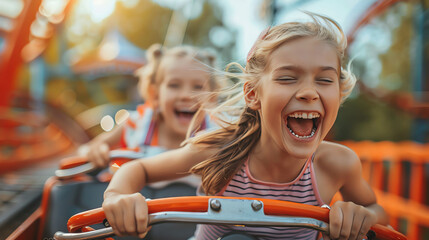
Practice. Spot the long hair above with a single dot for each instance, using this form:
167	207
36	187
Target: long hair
235	140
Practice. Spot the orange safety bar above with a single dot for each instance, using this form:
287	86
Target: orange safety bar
71	162
200	204
74	161
396	172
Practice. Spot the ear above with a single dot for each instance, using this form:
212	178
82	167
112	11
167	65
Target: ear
251	97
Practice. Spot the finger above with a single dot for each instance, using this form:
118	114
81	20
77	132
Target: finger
142	235
335	222
355	232
104	151
119	219
141	216
91	157
129	218
98	158
111	218
366	225
361	234
348	216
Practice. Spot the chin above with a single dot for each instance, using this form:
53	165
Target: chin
182	130
302	150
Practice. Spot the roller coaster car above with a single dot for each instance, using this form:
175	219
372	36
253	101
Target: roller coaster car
71	191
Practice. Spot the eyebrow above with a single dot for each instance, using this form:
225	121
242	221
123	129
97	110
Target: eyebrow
329	68
298	69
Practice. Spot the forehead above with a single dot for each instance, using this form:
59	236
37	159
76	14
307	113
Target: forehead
304	53
184	66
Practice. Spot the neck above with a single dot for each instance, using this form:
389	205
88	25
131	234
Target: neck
167	138
271	163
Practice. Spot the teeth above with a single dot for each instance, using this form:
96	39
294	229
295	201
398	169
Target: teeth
303	137
185	111
304	115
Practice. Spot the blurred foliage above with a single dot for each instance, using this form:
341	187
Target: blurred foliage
144	24
384	49
397	70
81	30
391	51
363	118
198	30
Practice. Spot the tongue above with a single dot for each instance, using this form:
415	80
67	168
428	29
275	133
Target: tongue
302	127
186	117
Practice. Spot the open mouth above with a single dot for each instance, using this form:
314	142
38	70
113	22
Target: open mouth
184	114
303	124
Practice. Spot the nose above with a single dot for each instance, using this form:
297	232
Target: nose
307	93
187	93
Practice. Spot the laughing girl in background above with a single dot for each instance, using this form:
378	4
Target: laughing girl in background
171	84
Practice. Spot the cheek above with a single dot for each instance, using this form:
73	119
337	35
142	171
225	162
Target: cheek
332	105
165	100
332	93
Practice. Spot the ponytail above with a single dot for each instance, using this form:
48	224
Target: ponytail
148	73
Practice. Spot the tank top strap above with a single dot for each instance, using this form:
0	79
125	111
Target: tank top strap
152	134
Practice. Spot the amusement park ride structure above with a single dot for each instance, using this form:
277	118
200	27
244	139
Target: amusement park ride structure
397	171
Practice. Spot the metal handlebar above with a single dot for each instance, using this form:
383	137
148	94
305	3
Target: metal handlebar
221	210
83	166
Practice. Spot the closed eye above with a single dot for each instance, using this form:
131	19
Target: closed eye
324	80
173	85
286	79
198	87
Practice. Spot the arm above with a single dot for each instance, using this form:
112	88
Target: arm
353	217
97	150
125	209
357	190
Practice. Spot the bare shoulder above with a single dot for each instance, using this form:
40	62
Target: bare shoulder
336	158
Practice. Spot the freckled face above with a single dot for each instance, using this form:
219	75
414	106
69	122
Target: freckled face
299	96
183	80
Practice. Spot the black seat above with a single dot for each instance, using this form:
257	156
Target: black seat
71	198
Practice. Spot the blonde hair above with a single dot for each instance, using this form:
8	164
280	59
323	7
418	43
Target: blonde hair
236	139
151	73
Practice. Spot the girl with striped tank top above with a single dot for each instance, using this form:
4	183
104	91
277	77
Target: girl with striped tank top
171	83
293	86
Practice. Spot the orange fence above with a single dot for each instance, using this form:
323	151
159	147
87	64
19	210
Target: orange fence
399	174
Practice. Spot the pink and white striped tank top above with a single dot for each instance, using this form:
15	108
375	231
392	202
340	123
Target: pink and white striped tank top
301	190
